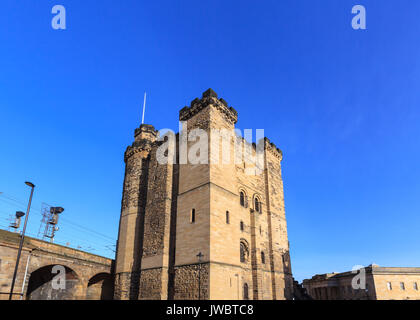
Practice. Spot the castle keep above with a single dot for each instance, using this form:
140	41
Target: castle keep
201	231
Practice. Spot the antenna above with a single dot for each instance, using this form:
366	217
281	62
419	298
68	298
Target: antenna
144	108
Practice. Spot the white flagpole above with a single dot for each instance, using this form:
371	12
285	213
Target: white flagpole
144	108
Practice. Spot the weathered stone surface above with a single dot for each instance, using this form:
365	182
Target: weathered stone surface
151	284
192	282
126	285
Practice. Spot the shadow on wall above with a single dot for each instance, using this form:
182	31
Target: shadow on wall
100	287
40	286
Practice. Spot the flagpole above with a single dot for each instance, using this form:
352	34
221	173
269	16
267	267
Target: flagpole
144	108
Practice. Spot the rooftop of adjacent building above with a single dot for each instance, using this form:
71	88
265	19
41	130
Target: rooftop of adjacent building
373	269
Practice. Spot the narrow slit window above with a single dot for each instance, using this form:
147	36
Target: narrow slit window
257	205
193	216
246	295
242	199
242	226
242	253
227	217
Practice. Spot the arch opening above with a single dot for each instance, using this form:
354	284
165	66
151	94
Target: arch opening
246	294
244	251
100	287
54	283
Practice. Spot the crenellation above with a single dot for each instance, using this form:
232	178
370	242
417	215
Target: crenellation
271	147
145	132
209	98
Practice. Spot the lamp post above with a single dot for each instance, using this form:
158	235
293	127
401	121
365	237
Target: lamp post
199	256
22	238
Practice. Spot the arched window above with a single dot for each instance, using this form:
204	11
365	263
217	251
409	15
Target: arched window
242	198
227	217
193	216
257	205
246	295
262	257
242	226
244	252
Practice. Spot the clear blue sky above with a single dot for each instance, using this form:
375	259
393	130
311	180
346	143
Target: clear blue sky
343	105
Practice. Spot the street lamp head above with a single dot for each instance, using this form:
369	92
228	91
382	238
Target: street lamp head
30	184
20	214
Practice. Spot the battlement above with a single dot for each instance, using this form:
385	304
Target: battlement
144	137
270	146
146	131
209	98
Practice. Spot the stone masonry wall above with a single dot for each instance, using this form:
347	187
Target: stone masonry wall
188	280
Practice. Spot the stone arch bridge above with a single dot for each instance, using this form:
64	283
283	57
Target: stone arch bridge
87	276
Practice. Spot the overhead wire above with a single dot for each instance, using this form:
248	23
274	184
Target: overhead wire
71	231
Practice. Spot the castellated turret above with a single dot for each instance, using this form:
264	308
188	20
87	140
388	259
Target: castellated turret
133	205
202	231
209	99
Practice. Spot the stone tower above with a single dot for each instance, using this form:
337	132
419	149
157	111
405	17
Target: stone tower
133	207
202	231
